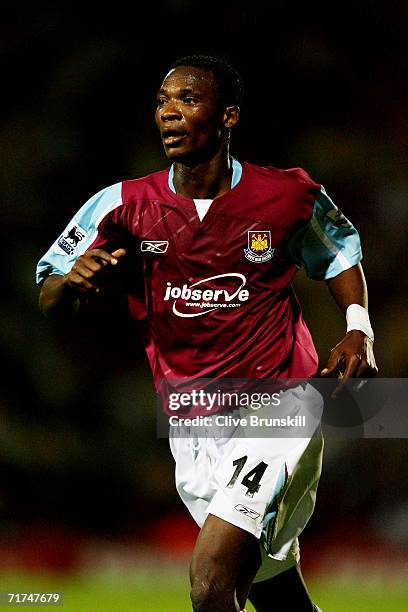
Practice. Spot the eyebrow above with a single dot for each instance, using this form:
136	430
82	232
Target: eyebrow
182	91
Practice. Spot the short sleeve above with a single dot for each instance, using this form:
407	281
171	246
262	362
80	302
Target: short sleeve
80	233
328	244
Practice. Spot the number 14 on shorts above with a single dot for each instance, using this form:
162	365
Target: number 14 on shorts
252	479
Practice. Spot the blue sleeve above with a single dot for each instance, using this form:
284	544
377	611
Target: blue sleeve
328	244
79	234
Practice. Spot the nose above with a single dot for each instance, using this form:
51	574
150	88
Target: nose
170	111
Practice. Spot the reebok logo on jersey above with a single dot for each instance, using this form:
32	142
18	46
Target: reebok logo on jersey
247	511
208	294
259	246
154	246
69	240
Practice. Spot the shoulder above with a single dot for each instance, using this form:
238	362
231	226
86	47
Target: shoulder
120	196
290	193
151	186
289	178
99	204
146	186
117	201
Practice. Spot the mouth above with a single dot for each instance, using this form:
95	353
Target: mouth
173	136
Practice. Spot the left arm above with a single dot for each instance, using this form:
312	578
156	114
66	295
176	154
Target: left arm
328	246
353	355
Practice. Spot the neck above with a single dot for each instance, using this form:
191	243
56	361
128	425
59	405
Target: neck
207	179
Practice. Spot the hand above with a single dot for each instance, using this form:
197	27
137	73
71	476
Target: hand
87	269
352	357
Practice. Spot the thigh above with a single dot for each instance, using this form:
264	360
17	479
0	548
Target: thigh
267	487
194	481
227	558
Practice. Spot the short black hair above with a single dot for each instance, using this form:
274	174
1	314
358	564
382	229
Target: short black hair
230	86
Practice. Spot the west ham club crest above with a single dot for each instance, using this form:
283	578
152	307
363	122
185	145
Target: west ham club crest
259	246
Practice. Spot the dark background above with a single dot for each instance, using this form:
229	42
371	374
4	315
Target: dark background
325	90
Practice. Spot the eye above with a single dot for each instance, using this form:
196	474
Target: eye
189	100
160	101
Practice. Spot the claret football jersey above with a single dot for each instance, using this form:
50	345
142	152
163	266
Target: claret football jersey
217	298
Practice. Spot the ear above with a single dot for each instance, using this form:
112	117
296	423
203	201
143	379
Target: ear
231	116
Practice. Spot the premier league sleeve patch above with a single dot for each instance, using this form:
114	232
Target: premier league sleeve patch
70	238
259	246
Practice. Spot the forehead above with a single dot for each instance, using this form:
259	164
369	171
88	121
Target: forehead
189	77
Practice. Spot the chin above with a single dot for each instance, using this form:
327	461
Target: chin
188	157
178	155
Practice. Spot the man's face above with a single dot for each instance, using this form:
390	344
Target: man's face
189	115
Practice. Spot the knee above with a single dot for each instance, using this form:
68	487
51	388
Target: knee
211	593
203	596
208	598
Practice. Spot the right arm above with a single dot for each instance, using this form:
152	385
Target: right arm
60	295
75	265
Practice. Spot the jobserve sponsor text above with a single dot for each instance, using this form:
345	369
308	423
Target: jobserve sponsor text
207	294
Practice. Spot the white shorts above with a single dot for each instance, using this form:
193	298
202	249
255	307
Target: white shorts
266	486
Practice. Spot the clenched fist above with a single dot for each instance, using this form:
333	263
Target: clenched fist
88	269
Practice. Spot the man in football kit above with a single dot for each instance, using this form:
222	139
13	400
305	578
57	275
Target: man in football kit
220	243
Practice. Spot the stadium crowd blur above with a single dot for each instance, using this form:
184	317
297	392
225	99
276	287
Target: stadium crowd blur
79	457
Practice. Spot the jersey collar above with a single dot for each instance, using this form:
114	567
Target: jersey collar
236	175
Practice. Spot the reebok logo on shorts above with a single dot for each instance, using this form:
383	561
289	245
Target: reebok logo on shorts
247	511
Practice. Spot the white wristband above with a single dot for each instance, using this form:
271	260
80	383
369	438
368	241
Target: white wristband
357	318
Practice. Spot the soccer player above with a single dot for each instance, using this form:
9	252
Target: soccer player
220	242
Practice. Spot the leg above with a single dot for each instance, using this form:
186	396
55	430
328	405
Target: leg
286	591
224	563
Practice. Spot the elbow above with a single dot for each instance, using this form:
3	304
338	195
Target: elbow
46	306
54	303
